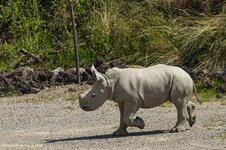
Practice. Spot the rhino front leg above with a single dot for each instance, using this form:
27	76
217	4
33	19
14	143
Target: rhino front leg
130	119
121	131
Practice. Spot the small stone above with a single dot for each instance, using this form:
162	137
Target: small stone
219	96
72	90
221	89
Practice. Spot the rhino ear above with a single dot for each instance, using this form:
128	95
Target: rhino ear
98	75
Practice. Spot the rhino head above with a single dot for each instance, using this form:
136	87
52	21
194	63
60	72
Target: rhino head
95	97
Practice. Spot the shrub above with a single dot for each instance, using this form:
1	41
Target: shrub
181	32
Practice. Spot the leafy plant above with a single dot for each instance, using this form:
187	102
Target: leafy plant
144	32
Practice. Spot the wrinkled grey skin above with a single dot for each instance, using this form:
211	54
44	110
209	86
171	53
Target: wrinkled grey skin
142	88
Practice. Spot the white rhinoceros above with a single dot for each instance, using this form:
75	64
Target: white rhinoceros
142	88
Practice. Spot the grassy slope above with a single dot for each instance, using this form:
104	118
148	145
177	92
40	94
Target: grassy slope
138	31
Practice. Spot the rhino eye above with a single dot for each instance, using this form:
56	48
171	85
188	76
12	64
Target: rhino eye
93	95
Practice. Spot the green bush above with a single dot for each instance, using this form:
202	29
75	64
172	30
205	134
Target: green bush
138	31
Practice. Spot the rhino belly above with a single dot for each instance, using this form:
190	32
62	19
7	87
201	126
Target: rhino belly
154	99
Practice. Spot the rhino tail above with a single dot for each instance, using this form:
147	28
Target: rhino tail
196	94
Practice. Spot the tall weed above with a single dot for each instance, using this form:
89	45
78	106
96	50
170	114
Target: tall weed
138	31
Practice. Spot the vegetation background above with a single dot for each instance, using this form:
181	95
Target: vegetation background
180	32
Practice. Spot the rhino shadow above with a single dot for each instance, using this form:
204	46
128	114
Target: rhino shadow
107	136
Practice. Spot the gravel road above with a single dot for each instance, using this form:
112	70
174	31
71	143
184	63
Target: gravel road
52	119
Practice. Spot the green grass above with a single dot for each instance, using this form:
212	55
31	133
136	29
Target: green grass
139	32
167	104
224	135
208	95
72	97
11	91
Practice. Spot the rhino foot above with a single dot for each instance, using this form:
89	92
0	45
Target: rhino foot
120	132
177	129
192	121
140	122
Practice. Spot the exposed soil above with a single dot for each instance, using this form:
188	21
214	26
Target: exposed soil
52	119
25	80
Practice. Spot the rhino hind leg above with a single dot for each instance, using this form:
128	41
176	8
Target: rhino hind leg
182	116
191	113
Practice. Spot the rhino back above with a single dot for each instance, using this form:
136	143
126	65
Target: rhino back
148	87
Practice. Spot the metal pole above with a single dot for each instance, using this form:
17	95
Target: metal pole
75	43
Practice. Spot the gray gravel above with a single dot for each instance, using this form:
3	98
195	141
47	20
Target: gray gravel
52	120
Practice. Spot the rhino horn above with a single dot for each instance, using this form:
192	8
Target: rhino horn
98	75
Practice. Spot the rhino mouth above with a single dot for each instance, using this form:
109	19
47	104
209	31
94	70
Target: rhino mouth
86	108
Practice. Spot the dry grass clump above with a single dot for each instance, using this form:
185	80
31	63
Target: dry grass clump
197	7
144	32
203	44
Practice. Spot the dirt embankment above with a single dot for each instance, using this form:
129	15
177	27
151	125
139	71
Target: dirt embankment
25	80
52	119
